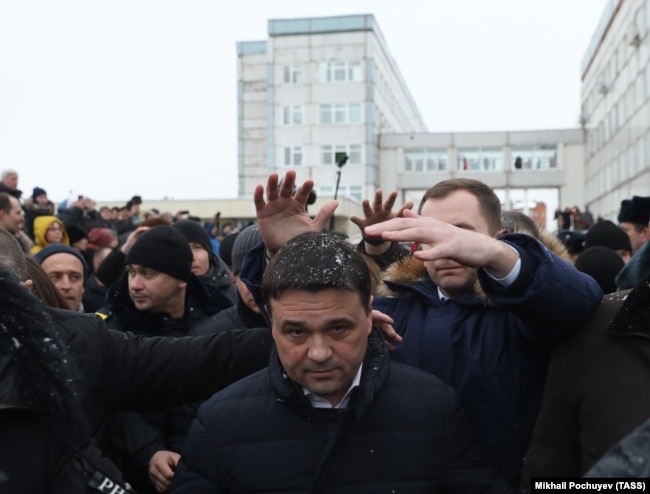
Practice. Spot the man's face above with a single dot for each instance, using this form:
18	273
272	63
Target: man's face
246	295
11	181
67	274
153	291
637	239
106	214
14	220
460	209
200	259
321	338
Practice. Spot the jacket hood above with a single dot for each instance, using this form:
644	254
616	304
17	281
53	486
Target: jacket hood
41	224
31	205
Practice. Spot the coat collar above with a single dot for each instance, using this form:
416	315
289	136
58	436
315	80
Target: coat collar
376	368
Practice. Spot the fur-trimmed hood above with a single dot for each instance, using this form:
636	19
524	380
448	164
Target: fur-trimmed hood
410	270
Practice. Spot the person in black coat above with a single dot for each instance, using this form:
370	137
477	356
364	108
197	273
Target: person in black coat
330	413
113	371
46	440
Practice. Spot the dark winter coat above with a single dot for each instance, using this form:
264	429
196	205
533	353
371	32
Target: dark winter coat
120	371
403	431
596	389
491	345
238	316
47	444
137	436
32	210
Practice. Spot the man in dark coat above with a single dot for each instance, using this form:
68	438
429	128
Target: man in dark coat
114	371
331	413
479	310
157	295
596	389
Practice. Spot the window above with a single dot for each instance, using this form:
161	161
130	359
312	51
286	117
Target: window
293	156
292	115
337	71
425	160
352	150
542	157
481	159
340	113
293	74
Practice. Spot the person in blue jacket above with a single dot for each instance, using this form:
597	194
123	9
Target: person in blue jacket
478	309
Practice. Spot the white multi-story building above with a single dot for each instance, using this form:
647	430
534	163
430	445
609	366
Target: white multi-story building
316	88
322	86
616	107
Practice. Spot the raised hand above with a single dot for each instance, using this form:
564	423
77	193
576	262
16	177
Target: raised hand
379	211
440	240
282	215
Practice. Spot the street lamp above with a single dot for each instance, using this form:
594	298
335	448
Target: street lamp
341	160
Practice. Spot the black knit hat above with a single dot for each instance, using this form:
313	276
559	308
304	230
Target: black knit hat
163	249
52	249
607	234
635	210
194	233
75	233
602	264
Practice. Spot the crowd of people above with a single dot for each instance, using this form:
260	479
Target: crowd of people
458	348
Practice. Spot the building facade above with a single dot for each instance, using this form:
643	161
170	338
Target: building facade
315	89
323	86
616	107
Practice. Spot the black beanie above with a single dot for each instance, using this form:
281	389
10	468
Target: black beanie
163	249
194	233
607	234
52	249
602	264
75	233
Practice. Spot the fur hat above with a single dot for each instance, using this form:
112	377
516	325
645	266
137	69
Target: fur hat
607	234
245	241
75	233
635	210
100	237
52	249
602	264
163	249
194	233
38	192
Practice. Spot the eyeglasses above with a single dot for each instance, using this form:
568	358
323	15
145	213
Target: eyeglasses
54	228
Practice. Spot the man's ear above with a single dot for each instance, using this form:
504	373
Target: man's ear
28	283
503	231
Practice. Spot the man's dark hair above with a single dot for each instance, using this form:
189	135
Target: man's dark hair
518	222
314	262
5	202
489	203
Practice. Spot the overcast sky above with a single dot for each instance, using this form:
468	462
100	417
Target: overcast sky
114	98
